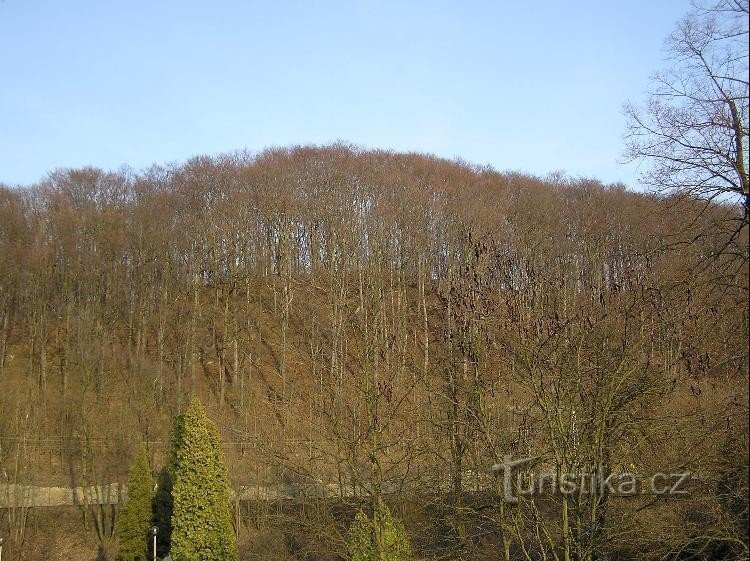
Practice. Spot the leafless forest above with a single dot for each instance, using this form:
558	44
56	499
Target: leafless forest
366	324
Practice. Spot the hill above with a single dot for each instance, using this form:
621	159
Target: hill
390	324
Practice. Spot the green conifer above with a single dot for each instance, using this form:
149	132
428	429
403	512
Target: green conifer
201	518
362	537
134	520
162	505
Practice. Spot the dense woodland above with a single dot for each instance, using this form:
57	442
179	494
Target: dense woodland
381	326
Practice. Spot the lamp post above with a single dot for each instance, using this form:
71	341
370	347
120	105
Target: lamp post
154	531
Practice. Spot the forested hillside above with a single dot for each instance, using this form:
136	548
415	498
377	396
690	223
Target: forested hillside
380	325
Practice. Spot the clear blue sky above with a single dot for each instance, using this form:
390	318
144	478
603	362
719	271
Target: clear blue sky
531	86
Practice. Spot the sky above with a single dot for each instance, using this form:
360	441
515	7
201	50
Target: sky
534	86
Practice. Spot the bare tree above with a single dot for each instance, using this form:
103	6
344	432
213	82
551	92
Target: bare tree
693	129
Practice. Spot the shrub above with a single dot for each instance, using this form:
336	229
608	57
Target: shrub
362	537
135	516
201	518
162	504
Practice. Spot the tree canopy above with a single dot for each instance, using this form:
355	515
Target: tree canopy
692	131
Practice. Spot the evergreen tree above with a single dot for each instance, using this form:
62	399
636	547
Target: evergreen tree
162	512
201	519
162	505
135	517
362	537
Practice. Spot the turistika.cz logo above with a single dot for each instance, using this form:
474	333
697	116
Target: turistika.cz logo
517	481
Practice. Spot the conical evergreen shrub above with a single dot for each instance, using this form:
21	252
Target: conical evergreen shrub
163	504
134	519
201	517
362	544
